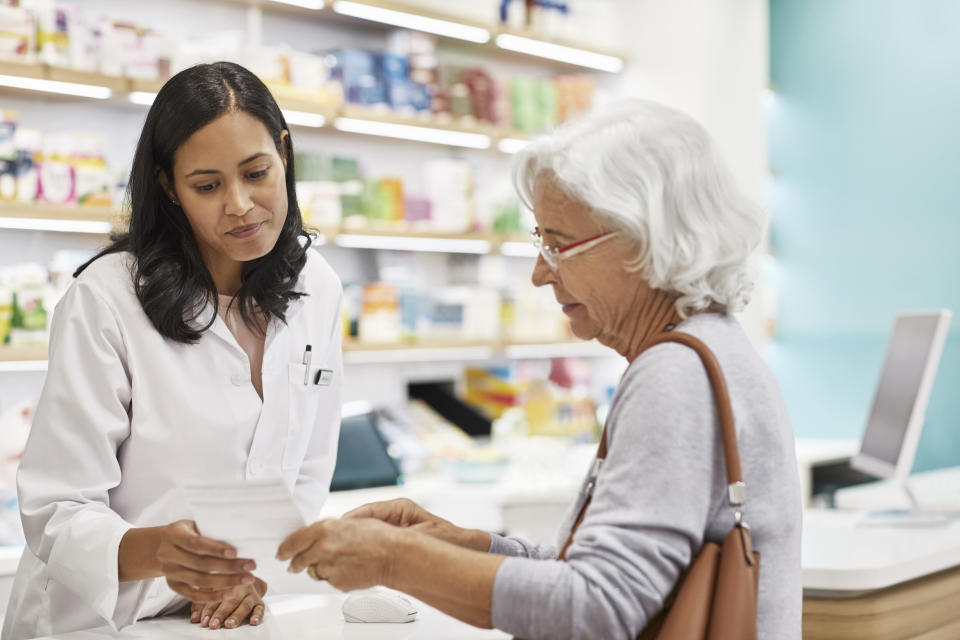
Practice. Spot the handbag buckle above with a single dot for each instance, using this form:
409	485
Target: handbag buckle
737	493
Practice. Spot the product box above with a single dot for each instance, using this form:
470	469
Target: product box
17	34
380	314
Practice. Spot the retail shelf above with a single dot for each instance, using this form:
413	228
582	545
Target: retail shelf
487	38
61	218
25	358
47	79
34	357
301	107
560	349
374	353
100	220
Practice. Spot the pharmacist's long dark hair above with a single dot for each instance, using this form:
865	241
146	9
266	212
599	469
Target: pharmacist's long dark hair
169	276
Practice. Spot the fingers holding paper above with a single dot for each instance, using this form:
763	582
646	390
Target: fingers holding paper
198	568
350	553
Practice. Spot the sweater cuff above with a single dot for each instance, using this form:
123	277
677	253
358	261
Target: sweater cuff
502	546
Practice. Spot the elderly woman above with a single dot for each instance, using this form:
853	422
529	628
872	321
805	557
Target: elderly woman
640	226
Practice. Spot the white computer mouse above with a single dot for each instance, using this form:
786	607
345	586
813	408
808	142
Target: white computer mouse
378	606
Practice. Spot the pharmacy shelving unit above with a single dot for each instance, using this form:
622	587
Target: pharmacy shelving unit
484	39
303	108
34	357
101	220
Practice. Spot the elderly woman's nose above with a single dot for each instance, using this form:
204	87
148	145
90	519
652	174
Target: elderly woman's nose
542	273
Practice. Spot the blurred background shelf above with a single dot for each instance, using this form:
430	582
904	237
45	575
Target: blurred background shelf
302	108
34	357
101	220
483	37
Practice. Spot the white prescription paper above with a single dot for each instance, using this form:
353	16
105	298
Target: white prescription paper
254	516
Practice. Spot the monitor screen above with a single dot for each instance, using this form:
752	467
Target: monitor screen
912	345
362	458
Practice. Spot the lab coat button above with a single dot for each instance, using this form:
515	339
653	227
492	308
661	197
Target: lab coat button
239	379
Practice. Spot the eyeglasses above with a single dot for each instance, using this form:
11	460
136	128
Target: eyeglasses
553	255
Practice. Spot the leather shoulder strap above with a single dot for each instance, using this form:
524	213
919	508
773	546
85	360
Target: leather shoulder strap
720	394
724	411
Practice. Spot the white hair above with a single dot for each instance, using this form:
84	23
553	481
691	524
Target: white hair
654	174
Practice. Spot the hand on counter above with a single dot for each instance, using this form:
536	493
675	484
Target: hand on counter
245	603
403	512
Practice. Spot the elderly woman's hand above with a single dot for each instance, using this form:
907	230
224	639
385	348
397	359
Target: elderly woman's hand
350	553
403	512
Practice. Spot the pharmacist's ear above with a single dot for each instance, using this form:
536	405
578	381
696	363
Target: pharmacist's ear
166	186
285	144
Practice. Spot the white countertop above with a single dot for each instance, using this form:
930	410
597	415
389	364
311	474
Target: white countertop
842	559
292	617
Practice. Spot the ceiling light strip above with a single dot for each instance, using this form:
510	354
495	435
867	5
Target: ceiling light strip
56	86
413	243
144	98
416	354
511	145
447	28
305	4
304	118
560	53
18	366
47	224
413	132
516	249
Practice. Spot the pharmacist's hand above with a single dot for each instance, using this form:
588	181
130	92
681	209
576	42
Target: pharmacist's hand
198	568
353	553
246	603
403	512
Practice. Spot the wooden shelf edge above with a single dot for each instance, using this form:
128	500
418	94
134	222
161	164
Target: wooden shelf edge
369	353
27	353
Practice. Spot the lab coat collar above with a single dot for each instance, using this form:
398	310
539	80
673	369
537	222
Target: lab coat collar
219	327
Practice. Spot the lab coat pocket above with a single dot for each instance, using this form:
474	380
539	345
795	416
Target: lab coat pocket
305	403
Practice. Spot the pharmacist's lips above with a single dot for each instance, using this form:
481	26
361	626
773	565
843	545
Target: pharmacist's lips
246	227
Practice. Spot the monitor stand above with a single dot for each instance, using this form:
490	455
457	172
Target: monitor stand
914	516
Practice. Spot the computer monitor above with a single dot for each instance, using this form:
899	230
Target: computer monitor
890	439
362	457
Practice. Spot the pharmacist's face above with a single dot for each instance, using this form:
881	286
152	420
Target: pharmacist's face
231	183
597	293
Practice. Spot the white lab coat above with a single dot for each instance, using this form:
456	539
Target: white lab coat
126	416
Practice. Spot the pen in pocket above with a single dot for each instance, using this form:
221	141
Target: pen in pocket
307	355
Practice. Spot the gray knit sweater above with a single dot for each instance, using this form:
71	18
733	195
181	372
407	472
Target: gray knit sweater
660	495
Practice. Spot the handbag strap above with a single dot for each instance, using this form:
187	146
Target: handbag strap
736	489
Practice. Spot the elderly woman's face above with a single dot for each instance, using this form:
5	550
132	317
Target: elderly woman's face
596	292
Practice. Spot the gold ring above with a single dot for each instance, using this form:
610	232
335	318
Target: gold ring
312	572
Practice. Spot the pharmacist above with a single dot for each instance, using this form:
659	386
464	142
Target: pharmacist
202	345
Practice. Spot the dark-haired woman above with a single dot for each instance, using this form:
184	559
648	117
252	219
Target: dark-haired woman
178	356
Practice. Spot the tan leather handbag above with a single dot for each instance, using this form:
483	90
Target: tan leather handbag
716	598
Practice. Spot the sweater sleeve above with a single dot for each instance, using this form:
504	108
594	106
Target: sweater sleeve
519	547
70	461
649	511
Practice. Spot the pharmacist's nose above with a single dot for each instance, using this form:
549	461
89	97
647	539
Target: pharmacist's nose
238	201
542	273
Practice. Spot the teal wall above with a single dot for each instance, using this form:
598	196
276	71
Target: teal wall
865	203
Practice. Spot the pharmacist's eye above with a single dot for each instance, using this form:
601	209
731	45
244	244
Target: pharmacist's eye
205	188
256	175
